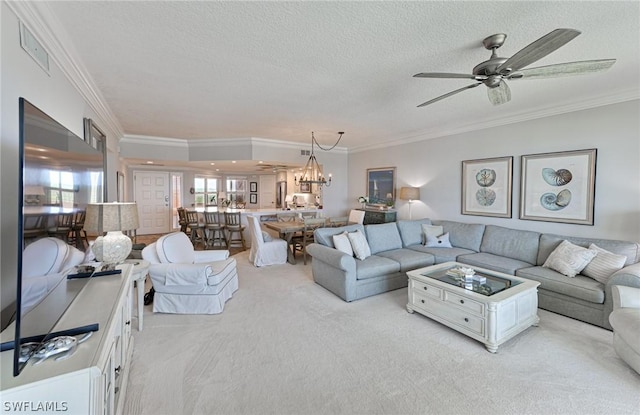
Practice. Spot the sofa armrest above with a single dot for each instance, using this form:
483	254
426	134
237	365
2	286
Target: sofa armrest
333	257
625	297
628	276
210	255
180	274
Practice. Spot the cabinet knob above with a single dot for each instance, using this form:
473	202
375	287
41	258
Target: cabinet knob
461	301
425	288
422	301
128	322
466	320
118	370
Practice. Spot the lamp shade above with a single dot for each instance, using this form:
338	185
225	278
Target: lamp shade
410	193
108	217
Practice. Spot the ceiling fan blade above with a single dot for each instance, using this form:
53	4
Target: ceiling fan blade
448	75
449	94
563	69
500	94
538	49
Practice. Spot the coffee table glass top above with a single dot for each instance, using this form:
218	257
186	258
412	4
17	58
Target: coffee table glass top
483	283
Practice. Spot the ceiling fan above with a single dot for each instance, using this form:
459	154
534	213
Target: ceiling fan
494	72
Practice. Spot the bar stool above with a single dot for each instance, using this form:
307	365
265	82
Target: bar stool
196	229
78	235
234	226
214	227
182	219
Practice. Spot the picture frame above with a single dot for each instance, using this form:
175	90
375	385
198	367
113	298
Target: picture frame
381	185
487	186
253	198
94	135
253	186
559	187
305	187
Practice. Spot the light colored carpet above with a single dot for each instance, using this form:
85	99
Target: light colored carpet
285	345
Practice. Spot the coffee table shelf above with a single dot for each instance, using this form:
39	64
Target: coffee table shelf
489	318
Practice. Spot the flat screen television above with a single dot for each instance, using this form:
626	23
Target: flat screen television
58	172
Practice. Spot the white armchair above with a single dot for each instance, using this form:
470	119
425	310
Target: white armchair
44	264
265	252
187	281
625	320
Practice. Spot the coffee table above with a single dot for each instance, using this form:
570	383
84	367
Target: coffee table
491	311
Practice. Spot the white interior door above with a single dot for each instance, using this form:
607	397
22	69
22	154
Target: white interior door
268	191
151	191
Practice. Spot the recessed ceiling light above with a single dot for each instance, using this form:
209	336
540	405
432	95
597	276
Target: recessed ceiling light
217	169
260	162
149	162
233	161
213	164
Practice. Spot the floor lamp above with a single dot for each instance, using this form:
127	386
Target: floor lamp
410	194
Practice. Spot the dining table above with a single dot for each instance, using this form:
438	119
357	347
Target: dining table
287	230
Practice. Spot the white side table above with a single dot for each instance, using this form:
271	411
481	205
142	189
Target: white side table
138	276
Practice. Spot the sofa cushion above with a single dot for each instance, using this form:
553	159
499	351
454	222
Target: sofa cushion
549	242
442	254
511	243
408	258
411	231
493	262
375	266
569	259
383	237
324	236
359	244
463	235
581	287
603	265
175	247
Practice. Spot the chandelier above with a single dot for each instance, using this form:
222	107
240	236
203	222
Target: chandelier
312	173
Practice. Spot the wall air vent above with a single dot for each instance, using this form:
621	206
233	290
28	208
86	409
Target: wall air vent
31	45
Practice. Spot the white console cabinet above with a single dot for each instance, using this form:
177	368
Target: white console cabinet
91	381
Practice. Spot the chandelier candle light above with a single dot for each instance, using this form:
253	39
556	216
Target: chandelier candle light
312	173
112	218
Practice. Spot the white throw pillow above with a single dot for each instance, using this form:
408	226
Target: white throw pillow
441	241
266	236
433	230
569	259
359	244
604	264
342	243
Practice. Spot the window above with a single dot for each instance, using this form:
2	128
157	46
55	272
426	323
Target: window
206	191
237	190
61	190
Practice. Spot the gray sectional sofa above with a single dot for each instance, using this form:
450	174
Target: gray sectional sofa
397	247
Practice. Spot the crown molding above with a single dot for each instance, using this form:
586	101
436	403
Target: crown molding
47	29
541	112
151	140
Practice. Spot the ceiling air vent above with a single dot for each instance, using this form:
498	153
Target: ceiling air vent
305	152
31	45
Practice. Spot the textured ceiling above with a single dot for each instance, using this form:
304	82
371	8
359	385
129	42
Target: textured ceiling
280	70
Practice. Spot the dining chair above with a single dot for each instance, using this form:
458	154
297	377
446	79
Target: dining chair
233	224
214	227
300	242
196	229
78	236
182	219
356	216
264	249
34	227
62	227
286	216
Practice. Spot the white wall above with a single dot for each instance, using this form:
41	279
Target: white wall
21	76
435	166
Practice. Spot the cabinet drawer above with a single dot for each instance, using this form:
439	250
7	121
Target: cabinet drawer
473	306
465	320
425	289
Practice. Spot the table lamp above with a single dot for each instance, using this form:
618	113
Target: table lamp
112	218
410	194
